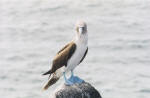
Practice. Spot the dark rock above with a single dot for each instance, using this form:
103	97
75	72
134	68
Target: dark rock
83	90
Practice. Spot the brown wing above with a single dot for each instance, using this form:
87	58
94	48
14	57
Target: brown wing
84	55
63	56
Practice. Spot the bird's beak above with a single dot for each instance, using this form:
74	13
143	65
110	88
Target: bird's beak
81	30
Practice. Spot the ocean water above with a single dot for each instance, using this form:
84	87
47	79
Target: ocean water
32	31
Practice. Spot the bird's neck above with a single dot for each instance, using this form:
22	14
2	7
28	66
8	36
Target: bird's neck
83	38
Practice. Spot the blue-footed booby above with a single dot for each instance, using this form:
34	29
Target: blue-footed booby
69	57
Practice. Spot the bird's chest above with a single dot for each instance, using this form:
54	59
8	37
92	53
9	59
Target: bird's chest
77	56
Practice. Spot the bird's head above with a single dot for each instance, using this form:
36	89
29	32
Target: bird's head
81	28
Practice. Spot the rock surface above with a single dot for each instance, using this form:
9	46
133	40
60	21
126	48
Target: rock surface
83	90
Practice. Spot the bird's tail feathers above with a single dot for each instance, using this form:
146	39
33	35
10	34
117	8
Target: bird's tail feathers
48	72
54	78
51	81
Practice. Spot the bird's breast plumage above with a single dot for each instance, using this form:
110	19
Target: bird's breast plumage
77	56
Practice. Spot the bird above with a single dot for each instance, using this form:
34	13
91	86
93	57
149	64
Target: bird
69	57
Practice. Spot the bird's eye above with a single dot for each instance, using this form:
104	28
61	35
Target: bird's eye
83	28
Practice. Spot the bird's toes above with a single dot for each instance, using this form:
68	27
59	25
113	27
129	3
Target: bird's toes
68	82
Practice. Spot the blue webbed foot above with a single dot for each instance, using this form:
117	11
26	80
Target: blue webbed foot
68	82
75	79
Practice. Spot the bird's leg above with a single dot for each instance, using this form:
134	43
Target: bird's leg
64	76
67	82
71	77
72	74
